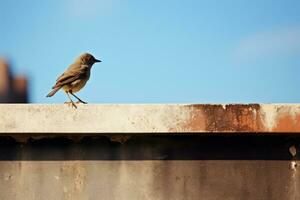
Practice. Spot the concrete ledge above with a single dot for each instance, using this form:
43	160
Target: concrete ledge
157	118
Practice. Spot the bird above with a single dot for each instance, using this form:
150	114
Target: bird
75	77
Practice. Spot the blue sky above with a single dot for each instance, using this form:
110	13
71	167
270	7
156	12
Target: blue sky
229	51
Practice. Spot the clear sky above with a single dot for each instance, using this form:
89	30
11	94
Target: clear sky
170	51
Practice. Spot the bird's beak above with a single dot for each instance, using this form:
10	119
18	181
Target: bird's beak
97	60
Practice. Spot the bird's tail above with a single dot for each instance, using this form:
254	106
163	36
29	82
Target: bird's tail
53	92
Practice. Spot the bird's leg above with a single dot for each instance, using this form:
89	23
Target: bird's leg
78	98
73	104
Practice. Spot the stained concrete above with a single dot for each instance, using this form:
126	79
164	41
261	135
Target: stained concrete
180	152
155	180
182	167
159	118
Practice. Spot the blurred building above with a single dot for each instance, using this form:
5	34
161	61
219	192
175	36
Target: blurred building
13	88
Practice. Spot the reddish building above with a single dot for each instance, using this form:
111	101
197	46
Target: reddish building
13	88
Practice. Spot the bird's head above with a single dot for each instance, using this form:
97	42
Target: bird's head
88	59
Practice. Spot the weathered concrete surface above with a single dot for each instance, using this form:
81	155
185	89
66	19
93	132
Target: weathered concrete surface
152	167
155	180
158	118
157	167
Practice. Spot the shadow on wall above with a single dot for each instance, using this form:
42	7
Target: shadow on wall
13	89
150	147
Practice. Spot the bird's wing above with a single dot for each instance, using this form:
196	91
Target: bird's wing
73	73
71	70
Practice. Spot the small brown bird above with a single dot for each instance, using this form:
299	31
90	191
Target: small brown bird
75	77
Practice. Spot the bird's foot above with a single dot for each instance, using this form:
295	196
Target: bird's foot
71	103
80	101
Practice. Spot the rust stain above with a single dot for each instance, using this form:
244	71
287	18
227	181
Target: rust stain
196	121
231	118
287	123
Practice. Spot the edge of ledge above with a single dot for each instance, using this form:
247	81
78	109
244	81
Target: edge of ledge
149	118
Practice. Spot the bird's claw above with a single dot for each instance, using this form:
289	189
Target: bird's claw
70	103
81	102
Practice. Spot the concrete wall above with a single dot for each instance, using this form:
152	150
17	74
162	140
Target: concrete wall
57	152
157	180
